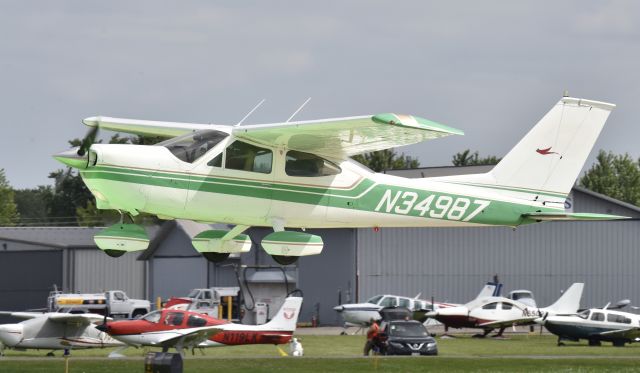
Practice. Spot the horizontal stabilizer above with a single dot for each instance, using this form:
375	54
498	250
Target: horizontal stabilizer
576	216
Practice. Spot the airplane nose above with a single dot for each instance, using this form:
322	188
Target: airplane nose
431	314
338	308
72	158
11	334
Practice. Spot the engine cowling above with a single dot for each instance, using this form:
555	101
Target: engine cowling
292	244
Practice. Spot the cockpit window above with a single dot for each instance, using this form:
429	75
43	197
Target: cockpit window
389	302
597	316
375	299
153	317
190	147
247	157
309	165
174	318
490	306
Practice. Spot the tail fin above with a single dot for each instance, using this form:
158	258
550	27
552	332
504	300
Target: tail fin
551	155
491	289
569	302
287	317
549	158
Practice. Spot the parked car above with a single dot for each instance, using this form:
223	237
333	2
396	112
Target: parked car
407	337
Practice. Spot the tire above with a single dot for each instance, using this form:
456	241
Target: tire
216	257
138	313
284	260
618	343
115	253
594	342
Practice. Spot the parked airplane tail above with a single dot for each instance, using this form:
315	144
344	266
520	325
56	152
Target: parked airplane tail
569	301
491	289
287	317
546	162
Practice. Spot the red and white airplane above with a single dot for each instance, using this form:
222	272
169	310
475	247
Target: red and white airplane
182	329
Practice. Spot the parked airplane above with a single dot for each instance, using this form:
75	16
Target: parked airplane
299	175
54	331
361	314
181	329
594	325
498	312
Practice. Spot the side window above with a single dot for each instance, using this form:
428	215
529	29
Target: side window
404	302
118	295
490	306
597	316
507	306
216	161
196	321
247	157
174	318
309	165
389	302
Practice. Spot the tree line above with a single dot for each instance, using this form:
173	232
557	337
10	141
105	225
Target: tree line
68	202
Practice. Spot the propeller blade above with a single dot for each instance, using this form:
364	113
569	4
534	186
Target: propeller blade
88	140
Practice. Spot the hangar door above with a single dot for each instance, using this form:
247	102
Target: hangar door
26	277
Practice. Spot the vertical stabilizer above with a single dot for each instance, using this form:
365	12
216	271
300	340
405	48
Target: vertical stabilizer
569	302
287	317
491	289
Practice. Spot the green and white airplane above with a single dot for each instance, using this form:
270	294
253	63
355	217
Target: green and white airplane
299	175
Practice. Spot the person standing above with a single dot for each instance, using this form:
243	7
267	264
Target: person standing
372	335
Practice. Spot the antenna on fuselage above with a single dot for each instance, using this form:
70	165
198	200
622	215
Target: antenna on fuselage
297	111
250	112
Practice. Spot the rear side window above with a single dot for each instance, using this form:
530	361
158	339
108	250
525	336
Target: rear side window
389	302
490	306
309	165
507	306
174	318
597	316
247	157
196	321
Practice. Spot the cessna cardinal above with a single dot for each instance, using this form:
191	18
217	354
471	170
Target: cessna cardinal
179	329
298	175
54	331
498	312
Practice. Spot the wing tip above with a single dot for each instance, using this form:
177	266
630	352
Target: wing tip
414	122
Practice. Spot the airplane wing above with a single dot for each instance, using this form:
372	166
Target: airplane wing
629	333
510	322
190	337
577	216
81	318
146	127
346	136
22	315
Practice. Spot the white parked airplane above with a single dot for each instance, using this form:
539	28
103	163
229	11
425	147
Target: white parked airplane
54	331
499	312
361	314
298	175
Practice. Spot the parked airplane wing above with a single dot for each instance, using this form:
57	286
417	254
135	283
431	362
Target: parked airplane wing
22	315
189	337
147	127
72	318
556	216
630	333
510	322
346	136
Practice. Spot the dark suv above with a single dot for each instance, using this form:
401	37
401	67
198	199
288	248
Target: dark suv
408	337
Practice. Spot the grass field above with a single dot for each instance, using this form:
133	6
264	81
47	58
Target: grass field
342	353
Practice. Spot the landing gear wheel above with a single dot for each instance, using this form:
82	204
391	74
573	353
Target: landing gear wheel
115	253
618	343
216	257
594	342
284	260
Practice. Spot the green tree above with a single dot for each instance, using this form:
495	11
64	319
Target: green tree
8	210
386	159
617	176
466	158
33	204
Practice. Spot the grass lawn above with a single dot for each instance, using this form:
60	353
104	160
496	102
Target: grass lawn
342	353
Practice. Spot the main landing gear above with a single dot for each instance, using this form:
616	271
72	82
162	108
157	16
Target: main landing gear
284	260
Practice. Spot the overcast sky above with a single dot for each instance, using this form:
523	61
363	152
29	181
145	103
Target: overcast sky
490	68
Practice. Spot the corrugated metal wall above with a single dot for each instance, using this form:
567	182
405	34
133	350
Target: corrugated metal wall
452	264
94	271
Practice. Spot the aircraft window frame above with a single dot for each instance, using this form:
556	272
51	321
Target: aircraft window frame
173	318
620	319
404	302
597	316
507	306
195	321
490	306
192	146
308	165
245	161
584	314
394	302
216	161
153	317
375	299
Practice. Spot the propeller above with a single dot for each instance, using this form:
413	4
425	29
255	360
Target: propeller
88	140
75	157
103	327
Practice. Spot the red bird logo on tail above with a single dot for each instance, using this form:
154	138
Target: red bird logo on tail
546	151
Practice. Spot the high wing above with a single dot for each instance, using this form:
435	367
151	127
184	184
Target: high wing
22	315
510	322
336	137
346	136
559	216
82	318
189	337
630	333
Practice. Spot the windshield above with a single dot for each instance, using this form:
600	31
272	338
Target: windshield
409	329
194	293
152	317
375	299
192	146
